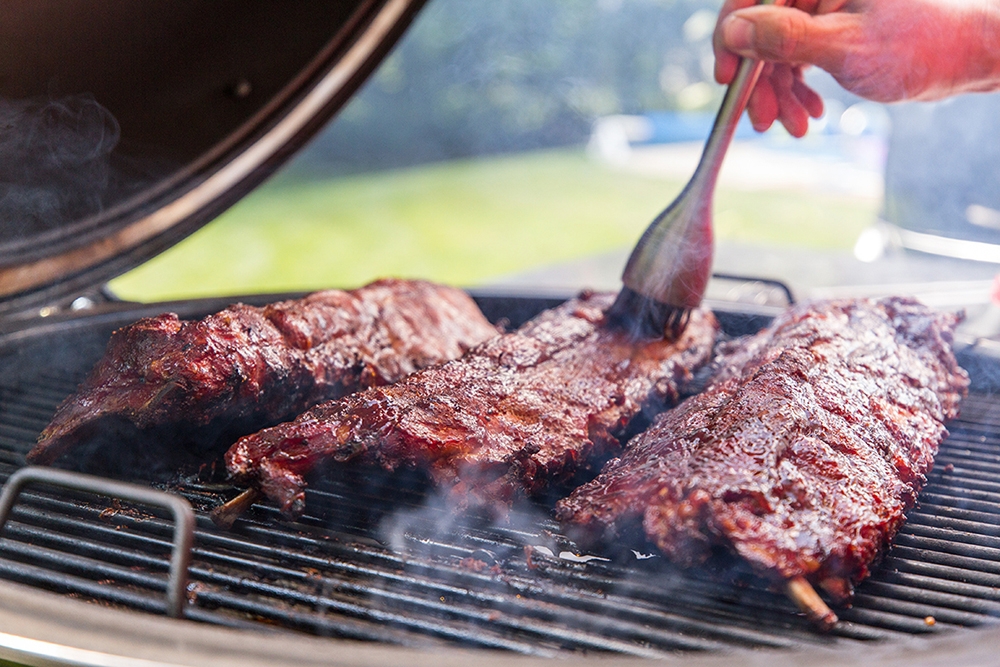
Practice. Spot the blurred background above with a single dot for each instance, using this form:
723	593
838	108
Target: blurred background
518	144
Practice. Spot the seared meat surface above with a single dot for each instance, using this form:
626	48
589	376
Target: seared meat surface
247	367
521	412
804	453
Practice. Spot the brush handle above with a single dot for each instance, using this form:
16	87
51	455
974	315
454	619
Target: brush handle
671	264
733	105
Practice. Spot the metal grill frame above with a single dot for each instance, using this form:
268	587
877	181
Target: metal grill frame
41	634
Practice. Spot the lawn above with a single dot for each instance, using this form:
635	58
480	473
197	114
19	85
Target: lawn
462	222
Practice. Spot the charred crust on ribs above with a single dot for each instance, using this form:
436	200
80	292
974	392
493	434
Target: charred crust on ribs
246	367
516	416
802	456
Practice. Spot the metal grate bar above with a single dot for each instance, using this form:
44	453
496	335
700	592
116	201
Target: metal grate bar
919	604
987	522
940	571
972	455
960	481
80	566
233	610
971	566
66	583
865	611
964	592
91	547
76	528
413	620
970	500
924	527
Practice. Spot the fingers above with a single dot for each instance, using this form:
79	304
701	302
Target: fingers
809	98
763	105
745	28
782	95
778	34
791	111
726	62
784	36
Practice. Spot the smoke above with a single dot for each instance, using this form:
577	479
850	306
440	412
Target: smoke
54	161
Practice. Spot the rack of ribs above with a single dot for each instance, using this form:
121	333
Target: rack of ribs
803	454
247	367
520	413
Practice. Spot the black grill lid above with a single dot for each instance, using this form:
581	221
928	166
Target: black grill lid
126	126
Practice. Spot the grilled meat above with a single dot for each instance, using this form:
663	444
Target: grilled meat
803	454
517	414
245	367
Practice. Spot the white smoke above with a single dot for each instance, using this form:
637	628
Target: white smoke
54	161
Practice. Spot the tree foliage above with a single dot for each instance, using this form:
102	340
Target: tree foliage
473	78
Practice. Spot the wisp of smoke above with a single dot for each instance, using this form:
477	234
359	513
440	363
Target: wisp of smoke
54	160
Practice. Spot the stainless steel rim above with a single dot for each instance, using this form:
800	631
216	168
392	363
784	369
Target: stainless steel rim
42	629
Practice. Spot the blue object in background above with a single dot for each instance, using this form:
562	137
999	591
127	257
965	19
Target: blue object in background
667	127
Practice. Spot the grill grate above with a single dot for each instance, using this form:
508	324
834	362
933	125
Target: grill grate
401	571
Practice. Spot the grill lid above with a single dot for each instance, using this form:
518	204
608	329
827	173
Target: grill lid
125	126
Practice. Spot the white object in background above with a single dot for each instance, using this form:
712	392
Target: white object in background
871	244
612	137
983	216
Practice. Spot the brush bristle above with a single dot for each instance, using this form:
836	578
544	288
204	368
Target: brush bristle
644	317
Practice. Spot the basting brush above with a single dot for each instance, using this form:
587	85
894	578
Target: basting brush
666	275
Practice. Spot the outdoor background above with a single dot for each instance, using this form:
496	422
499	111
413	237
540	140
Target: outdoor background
471	156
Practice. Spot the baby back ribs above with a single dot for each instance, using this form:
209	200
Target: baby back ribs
249	367
803	454
520	412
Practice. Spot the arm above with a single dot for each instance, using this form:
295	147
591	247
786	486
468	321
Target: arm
883	50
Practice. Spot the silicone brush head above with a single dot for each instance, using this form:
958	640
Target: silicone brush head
668	271
643	317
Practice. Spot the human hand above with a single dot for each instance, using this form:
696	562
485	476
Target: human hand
883	50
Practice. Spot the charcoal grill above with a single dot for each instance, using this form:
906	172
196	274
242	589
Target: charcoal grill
395	571
377	572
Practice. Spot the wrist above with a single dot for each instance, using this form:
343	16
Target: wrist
970	61
982	72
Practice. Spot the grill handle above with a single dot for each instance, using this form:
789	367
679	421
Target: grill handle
184	520
777	284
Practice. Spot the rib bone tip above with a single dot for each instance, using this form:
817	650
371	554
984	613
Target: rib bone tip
225	515
805	597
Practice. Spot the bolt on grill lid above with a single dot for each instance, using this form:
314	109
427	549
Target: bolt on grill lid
124	126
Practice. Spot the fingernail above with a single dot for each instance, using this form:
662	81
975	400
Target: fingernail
738	34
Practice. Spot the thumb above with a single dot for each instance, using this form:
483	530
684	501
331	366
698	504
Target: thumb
782	34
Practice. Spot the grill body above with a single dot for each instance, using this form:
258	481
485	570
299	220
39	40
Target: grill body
378	560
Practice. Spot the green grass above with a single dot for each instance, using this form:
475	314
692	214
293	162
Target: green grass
462	223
